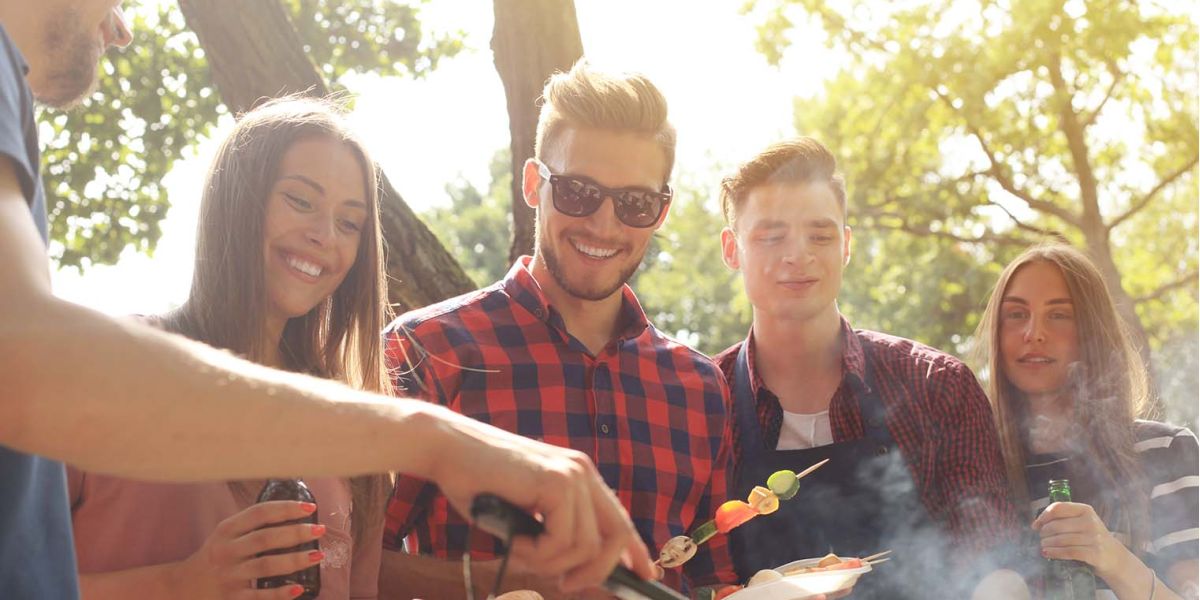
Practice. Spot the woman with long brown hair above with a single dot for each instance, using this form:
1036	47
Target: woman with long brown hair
1067	387
288	274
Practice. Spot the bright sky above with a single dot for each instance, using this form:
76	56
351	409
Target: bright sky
726	102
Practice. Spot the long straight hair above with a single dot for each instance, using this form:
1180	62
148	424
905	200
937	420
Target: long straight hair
1108	390
226	308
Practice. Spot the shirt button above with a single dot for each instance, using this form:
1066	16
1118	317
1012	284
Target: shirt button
539	313
881	451
604	428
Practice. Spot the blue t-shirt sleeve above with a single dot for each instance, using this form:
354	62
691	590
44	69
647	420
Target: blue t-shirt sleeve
15	116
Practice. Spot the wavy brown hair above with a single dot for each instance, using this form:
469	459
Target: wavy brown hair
1108	389
226	308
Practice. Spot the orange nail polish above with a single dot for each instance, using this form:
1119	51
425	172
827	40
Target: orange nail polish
308	507
295	591
316	556
318	530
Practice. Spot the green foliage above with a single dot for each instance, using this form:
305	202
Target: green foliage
105	160
968	129
684	286
476	228
378	36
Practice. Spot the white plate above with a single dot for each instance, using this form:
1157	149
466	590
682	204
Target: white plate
802	585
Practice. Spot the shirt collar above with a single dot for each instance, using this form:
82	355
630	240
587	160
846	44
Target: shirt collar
24	66
525	290
853	360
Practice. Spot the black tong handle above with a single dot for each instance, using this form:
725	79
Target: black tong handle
504	520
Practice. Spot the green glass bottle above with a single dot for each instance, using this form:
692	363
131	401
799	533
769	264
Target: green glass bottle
1067	579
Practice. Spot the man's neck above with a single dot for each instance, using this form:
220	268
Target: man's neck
800	361
592	322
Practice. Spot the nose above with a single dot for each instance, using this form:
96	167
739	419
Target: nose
321	229
797	251
118	33
1035	332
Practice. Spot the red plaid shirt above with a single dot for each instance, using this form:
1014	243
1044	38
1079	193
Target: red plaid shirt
649	411
939	417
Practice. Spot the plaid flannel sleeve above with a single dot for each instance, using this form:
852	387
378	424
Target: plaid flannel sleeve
413	379
973	485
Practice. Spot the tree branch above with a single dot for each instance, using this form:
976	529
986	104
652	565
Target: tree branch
902	224
1166	181
1162	290
997	171
1118	77
1019	223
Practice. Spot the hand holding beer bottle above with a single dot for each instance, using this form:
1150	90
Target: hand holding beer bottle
228	563
1074	540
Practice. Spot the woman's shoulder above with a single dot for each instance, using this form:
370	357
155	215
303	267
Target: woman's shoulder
1152	435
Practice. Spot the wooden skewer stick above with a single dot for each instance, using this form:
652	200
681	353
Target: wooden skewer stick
811	469
876	555
877	561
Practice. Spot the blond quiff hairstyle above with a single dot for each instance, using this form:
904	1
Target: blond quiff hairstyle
585	97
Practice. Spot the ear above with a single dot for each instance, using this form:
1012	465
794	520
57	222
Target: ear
729	249
846	247
530	183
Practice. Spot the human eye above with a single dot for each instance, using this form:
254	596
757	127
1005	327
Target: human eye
297	201
349	226
1014	314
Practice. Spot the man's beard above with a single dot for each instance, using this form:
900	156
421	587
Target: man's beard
71	64
583	293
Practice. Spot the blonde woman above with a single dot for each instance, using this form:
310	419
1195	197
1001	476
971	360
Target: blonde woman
1067	387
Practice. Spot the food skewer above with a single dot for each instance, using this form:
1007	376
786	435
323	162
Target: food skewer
876	555
781	485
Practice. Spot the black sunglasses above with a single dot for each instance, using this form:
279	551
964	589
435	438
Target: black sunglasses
579	197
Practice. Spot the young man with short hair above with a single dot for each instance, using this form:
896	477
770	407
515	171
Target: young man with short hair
914	459
560	349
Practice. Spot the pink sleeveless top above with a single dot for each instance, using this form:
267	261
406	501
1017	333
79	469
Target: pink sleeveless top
122	524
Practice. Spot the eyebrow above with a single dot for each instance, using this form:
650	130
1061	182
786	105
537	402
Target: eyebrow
823	223
304	179
351	202
770	224
1019	300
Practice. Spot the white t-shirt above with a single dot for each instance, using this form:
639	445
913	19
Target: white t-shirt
801	431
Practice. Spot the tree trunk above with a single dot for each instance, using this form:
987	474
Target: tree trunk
1095	232
254	52
531	40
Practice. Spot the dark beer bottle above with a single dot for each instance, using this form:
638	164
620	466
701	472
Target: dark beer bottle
1067	579
310	578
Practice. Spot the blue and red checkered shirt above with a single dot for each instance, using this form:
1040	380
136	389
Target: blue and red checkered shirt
649	411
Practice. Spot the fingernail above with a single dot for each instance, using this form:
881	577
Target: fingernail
318	530
316	556
308	507
295	590
1045	553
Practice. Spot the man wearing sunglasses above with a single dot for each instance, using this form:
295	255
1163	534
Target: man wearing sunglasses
560	350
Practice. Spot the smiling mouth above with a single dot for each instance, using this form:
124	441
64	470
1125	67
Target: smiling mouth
1036	360
797	284
308	268
594	251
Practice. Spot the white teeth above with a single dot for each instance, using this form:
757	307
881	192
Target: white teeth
593	251
310	269
1037	360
